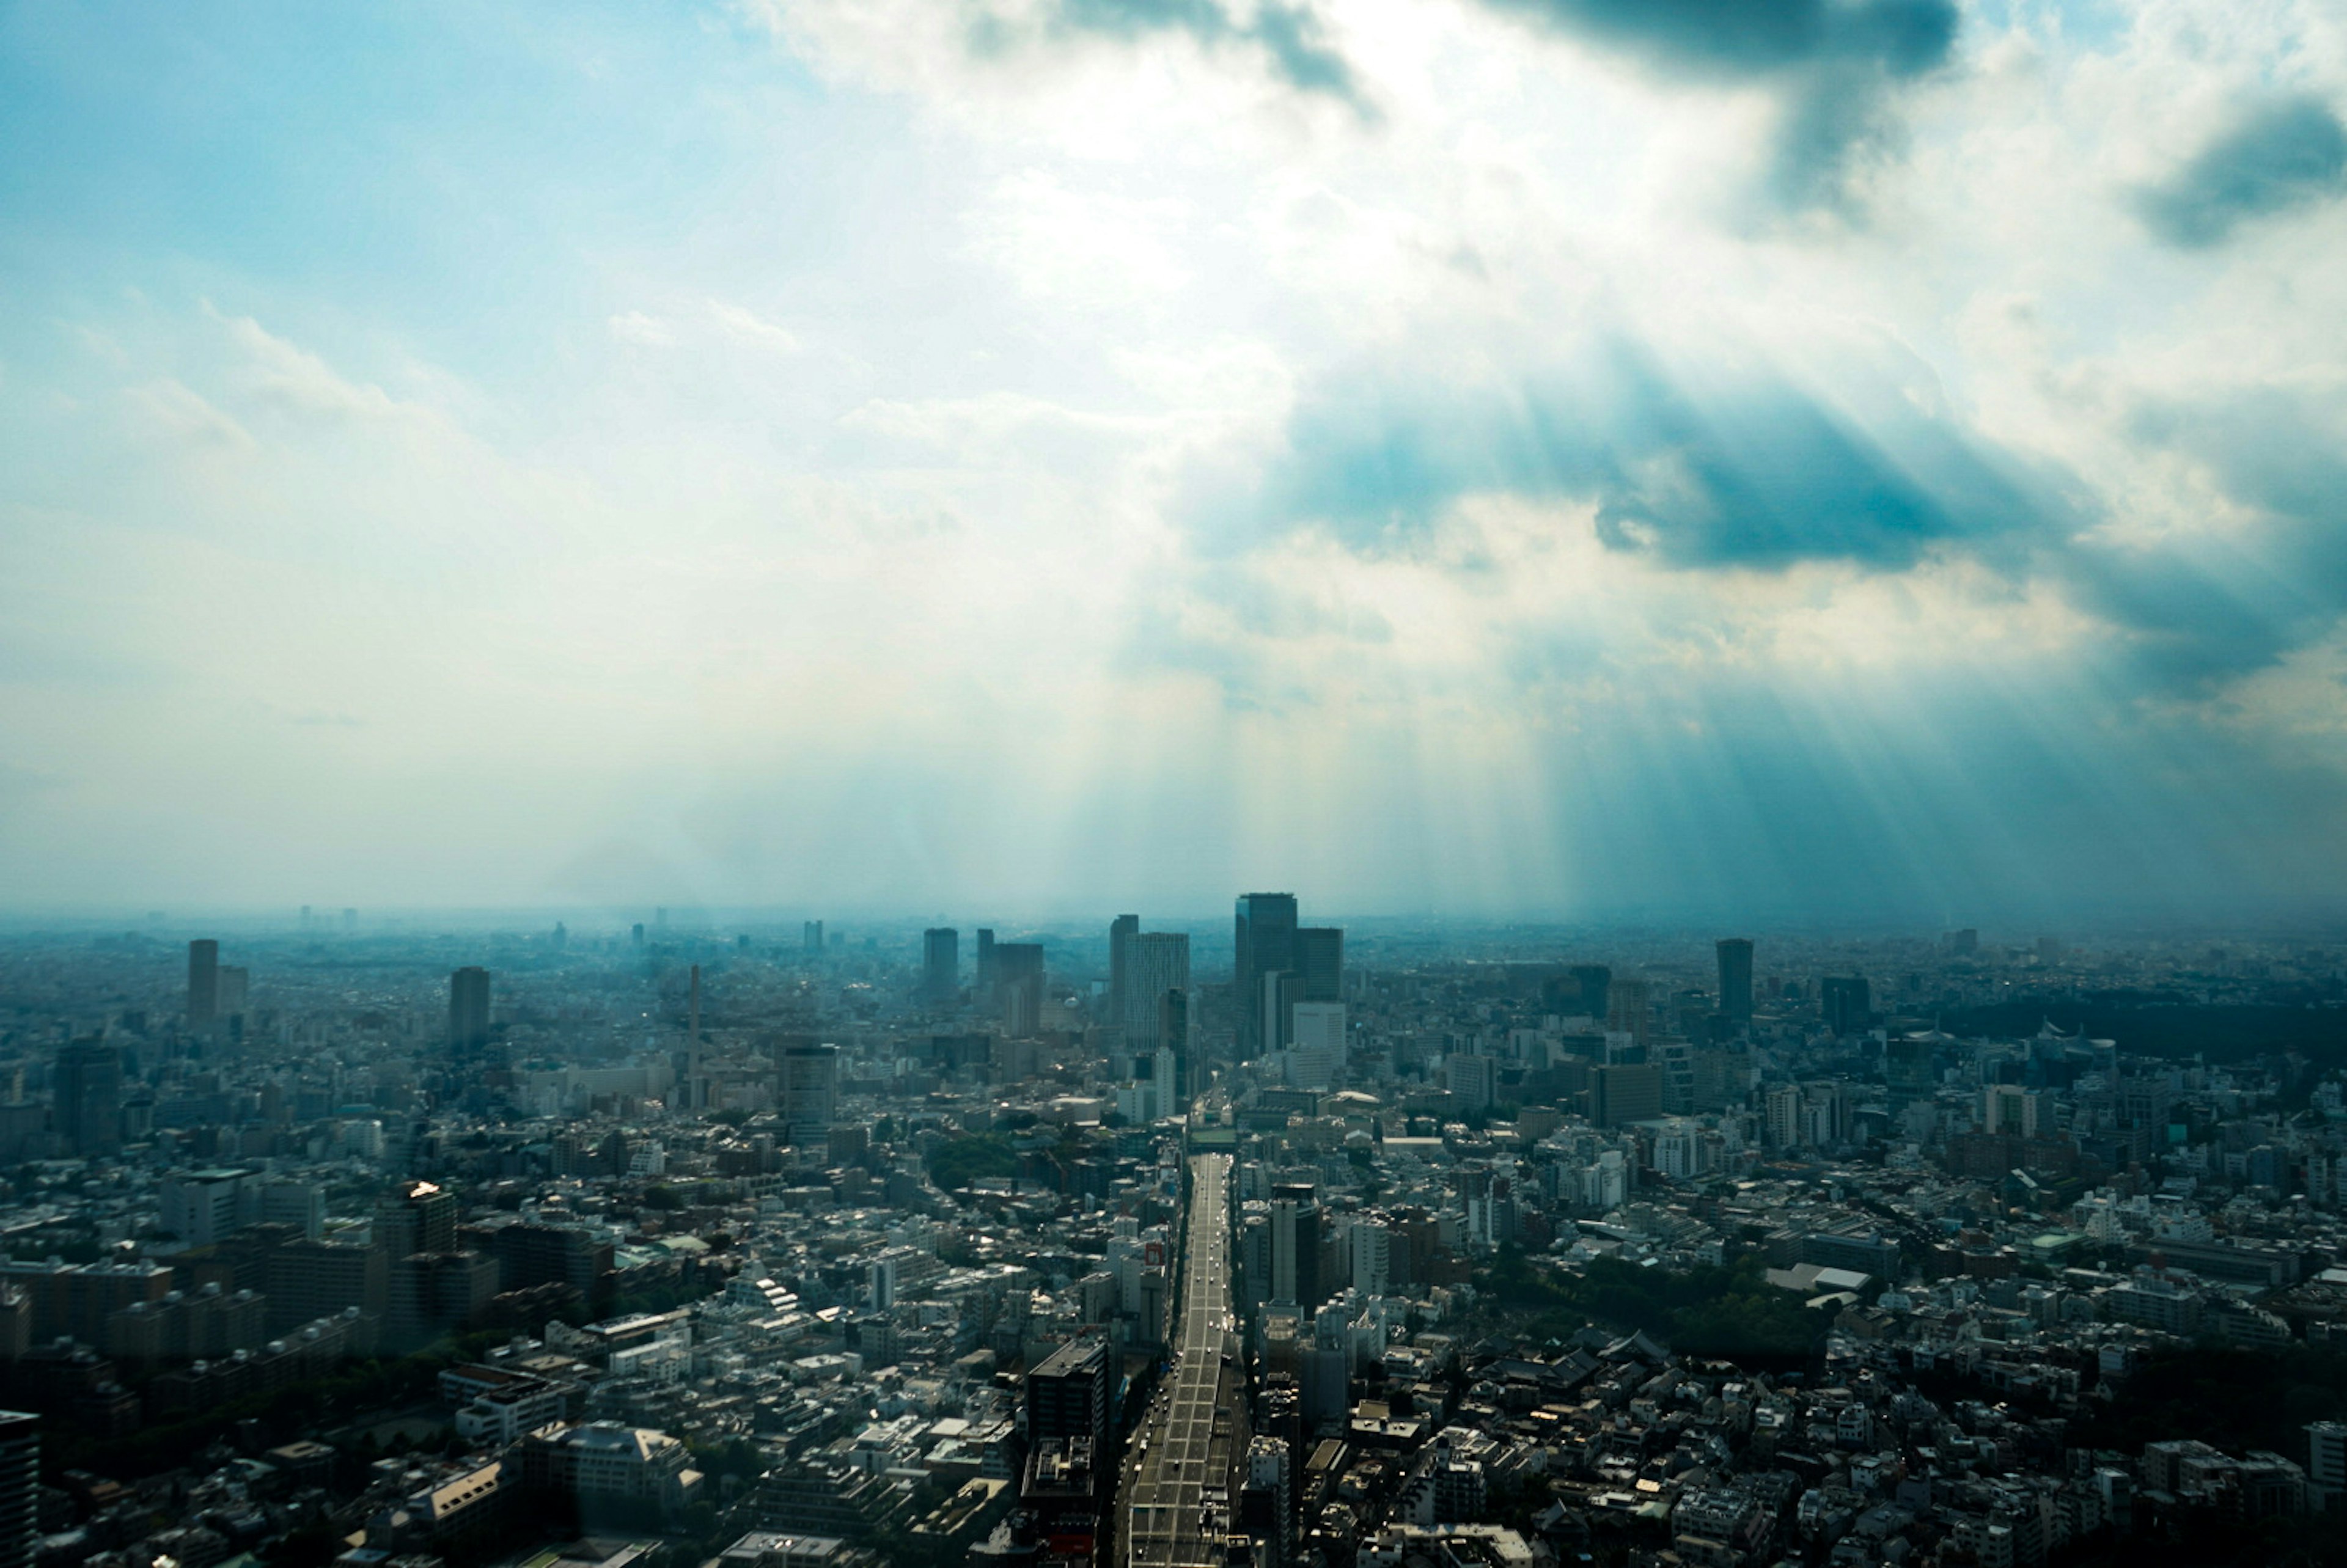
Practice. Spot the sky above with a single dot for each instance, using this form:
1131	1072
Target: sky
1801	458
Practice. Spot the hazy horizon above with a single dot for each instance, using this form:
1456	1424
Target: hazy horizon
1879	462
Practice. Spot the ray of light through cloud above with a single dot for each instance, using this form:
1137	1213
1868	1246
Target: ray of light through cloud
1842	458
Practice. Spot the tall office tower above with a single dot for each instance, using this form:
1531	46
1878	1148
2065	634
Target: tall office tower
1907	1069
469	1008
1276	1020
20	1486
1155	962
1320	959
1316	1055
811	938
1018	980
203	983
1631	1011
636	934
1296	1244
1121	930
1173	1045
1597	983
1068	1394
984	978
416	1216
1782	1116
1736	978
1264	944
2008	1110
88	1110
940	964
810	1092
1845	1001
1621	1094
1266	1510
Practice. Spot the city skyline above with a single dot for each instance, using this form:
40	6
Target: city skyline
1470	456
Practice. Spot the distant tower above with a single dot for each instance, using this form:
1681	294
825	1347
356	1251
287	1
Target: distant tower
1121	930
811	938
1018	981
1847	1004
1264	943
940	964
1320	959
469	1008
1597	983
1736	978
203	983
984	979
1155	962
636	934
20	1479
692	1011
810	1092
1174	1043
89	1105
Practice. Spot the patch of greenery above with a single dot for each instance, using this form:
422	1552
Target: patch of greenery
2237	1400
1732	1313
964	1158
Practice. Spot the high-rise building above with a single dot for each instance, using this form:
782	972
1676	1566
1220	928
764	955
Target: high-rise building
203	983
89	1109
811	938
416	1216
1296	1244
1119	930
1155	962
1267	1501
1621	1093
810	1092
469	1008
940	964
1320	959
1174	1049
1315	1052
1845	1003
984	979
1264	944
1595	982
1018	981
1736	978
20	1489
1630	1009
1278	992
1068	1394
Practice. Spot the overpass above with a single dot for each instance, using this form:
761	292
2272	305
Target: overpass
1180	1488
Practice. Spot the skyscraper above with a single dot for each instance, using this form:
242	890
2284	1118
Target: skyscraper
20	1480
984	978
1018	980
1155	962
469	1008
811	938
1320	959
1736	978
1264	944
810	1090
940	964
1173	1046
1120	931
88	1108
1296	1244
1846	1002
203	983
1597	984
416	1216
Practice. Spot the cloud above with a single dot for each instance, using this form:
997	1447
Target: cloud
1836	65
1288	38
2209	606
1755	474
2275	157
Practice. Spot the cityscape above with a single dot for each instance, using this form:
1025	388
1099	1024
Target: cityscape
803	1243
1174	783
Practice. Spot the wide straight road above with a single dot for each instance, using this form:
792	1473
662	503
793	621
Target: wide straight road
1179	1491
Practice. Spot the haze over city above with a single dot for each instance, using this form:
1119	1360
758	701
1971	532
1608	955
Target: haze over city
1808	460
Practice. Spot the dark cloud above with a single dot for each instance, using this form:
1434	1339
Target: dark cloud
1835	62
1760	475
1289	36
2276	157
2231	602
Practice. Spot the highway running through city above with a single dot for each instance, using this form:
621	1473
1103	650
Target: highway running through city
1179	1486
